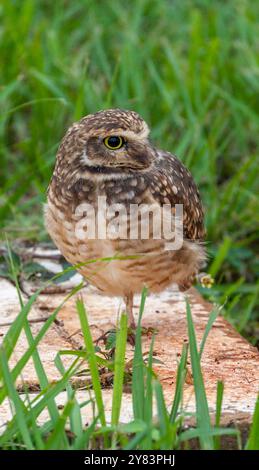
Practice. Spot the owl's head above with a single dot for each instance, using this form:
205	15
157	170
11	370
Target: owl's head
107	142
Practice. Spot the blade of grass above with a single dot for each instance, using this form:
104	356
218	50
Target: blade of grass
167	430
220	256
180	379
148	405
202	409
133	443
163	418
253	439
17	403
39	368
82	441
36	431
41	374
213	315
91	359
14	331
121	340
56	439
196	433
138	390
28	353
219	400
75	417
48	394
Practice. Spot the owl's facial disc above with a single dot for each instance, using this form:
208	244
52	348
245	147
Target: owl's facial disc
116	151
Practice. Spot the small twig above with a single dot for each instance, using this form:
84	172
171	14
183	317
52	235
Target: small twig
49	256
33	320
75	333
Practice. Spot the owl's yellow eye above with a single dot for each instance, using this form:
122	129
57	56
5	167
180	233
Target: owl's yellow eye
114	142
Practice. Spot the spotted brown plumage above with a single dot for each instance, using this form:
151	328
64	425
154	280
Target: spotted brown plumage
134	173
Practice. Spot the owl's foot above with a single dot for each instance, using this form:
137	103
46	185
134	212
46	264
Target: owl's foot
148	331
131	337
145	331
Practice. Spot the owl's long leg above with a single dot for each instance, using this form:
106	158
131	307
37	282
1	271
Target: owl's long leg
129	309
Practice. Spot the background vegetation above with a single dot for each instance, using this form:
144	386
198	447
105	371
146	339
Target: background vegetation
190	68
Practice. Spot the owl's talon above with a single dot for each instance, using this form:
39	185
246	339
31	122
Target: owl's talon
131	337
148	331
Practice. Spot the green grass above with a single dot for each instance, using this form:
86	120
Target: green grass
153	425
189	67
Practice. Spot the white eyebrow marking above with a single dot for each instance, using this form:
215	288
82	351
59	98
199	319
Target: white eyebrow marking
121	132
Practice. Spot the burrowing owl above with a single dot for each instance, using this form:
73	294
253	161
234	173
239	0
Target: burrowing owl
108	155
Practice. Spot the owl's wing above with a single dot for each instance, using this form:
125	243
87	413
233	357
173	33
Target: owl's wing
171	183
